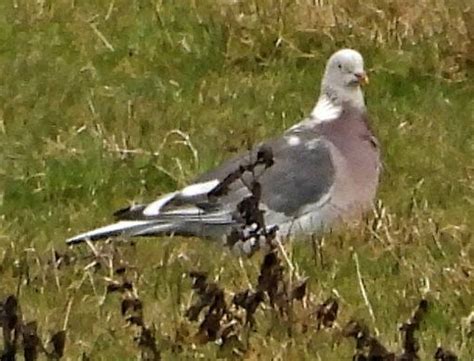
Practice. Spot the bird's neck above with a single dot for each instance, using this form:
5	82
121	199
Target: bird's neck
352	96
332	101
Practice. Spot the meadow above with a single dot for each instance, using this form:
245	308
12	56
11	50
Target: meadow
105	103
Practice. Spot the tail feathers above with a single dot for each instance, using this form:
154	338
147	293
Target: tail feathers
126	228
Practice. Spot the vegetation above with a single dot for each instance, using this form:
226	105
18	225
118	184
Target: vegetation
107	102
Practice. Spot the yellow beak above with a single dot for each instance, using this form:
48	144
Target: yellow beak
362	78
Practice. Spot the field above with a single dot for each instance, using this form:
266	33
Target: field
103	103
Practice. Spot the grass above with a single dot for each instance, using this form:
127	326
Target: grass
182	85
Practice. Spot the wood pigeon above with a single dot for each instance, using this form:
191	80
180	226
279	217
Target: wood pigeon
322	170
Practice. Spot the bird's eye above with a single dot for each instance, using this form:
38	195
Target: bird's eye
339	66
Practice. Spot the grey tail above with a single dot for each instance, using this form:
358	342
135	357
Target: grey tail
129	228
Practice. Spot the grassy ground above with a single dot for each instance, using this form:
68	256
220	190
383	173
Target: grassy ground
105	102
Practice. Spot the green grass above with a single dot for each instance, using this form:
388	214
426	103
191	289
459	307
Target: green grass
83	80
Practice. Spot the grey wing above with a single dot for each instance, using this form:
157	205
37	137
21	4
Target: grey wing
302	176
299	180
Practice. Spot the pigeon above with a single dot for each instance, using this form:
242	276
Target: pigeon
320	172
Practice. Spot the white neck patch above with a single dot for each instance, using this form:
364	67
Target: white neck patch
325	110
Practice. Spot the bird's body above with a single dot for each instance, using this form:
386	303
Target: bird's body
324	169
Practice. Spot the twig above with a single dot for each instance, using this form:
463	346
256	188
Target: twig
101	36
285	255
364	292
68	312
109	10
91	107
55	271
92	247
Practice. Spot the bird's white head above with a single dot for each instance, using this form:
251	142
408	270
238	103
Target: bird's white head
343	78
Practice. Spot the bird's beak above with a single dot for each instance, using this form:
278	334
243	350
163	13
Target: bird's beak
362	78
